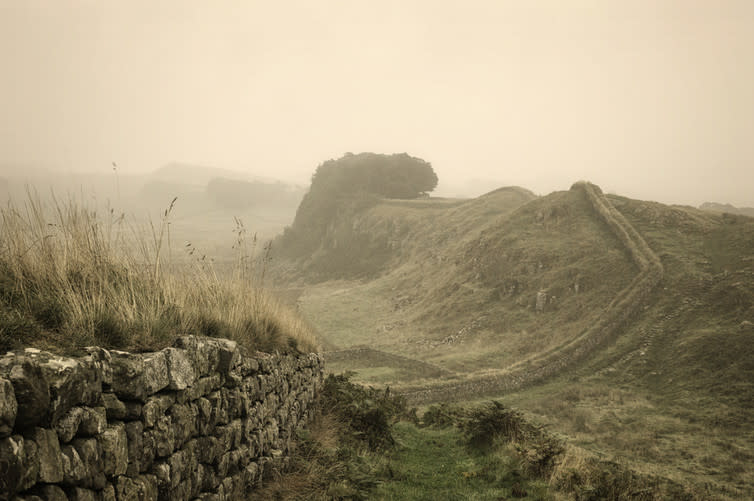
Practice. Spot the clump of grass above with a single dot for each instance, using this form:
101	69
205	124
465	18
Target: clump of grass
72	277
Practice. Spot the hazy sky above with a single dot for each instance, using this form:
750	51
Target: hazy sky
652	99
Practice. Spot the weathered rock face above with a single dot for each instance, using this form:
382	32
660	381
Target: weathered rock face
199	420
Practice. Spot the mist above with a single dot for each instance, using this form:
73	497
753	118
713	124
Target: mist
652	100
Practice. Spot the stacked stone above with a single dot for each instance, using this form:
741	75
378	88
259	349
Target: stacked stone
199	420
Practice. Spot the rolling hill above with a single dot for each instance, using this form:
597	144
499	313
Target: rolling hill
625	324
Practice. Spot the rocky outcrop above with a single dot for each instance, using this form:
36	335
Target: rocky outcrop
199	420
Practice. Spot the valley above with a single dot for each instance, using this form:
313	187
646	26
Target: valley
632	340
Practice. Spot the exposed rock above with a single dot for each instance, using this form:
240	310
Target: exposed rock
135	437
8	408
155	372
67	427
74	470
19	463
180	371
48	450
102	361
155	407
51	493
72	382
128	375
114	444
114	408
93	421
32	392
90	453
81	494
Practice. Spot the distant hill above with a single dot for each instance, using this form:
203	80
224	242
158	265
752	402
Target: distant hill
731	209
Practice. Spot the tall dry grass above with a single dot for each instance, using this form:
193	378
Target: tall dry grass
73	276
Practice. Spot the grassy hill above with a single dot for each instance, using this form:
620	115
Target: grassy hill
625	324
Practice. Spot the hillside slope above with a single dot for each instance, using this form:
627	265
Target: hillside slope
633	318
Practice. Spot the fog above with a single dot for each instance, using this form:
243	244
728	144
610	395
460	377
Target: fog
650	99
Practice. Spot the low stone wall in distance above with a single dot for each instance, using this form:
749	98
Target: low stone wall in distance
198	420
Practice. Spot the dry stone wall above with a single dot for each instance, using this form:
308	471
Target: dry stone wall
200	420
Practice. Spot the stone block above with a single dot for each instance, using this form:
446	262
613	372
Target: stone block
181	373
155	372
164	437
73	382
74	469
81	494
128	375
114	446
93	421
20	464
90	453
32	392
50	456
135	438
8	408
155	408
183	420
68	425
50	493
114	408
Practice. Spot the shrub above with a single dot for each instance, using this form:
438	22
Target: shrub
368	412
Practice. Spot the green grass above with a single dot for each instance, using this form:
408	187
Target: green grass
432	464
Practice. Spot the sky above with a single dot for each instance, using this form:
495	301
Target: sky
652	99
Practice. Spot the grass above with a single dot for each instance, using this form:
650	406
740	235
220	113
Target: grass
365	444
669	396
71	277
431	464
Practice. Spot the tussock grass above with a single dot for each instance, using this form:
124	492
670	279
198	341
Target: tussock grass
71	276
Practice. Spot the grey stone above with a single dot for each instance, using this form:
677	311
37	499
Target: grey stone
148	451
164	437
51	493
32	392
114	444
68	425
128	375
102	361
93	421
48	450
8	408
81	494
134	410
181	373
19	463
135	437
72	382
74	469
114	407
90	453
108	493
155	408
184	423
155	372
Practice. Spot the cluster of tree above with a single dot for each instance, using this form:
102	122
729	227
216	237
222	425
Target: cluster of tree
344	186
387	176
